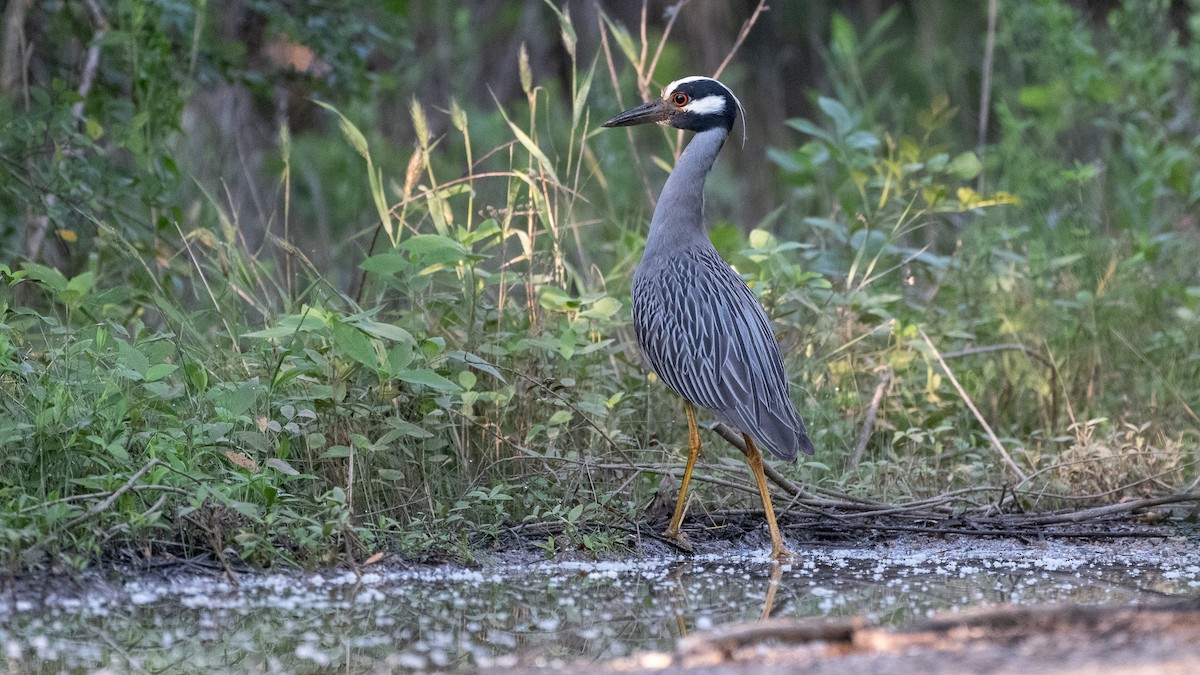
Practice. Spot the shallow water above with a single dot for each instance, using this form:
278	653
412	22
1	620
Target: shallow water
552	613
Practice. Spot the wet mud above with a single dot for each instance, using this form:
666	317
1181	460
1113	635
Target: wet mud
519	612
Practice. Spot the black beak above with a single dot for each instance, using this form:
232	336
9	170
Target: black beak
653	111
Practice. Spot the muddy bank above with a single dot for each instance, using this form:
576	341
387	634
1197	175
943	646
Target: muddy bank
1162	638
517	611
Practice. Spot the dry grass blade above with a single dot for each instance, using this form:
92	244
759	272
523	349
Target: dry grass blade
974	410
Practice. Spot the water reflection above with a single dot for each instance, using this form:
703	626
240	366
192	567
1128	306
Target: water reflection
550	613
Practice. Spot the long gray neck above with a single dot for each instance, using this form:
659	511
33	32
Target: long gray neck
679	216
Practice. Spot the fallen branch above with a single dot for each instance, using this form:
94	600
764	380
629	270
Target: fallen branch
727	639
113	497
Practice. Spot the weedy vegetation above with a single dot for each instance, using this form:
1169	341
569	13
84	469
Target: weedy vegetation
427	347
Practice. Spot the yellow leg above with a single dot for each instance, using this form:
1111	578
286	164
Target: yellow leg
693	453
772	586
754	458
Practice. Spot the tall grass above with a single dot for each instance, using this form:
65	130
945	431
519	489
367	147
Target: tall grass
472	377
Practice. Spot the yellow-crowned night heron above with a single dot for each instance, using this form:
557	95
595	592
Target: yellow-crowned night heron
699	326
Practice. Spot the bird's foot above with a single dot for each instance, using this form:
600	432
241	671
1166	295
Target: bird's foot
679	540
781	553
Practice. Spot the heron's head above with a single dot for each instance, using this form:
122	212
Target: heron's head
694	103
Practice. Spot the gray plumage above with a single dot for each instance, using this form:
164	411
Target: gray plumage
698	324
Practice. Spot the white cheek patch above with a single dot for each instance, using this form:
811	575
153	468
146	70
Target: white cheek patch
709	105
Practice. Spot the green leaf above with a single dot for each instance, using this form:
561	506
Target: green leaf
336	452
807	127
289	325
385	264
863	140
842	121
435	248
429	379
236	401
604	308
353	343
479	363
556	299
398	358
196	375
1044	96
402	429
623	38
385	331
282	466
966	166
46	276
82	284
843	41
467	379
585	86
353	136
529	144
159	371
575	513
94	129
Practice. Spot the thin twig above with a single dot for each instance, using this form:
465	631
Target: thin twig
1109	510
864	435
735	439
116	494
746	26
985	86
91	62
1013	346
672	14
974	410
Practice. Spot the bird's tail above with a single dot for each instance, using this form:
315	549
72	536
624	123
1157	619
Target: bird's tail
784	438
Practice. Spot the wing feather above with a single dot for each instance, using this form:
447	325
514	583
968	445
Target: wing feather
706	335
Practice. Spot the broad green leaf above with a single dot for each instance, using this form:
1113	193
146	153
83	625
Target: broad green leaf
353	343
159	371
429	379
82	284
236	401
402	429
604	308
386	331
966	166
435	247
385	264
467	379
842	121
336	452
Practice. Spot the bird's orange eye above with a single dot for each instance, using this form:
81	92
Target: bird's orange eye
680	99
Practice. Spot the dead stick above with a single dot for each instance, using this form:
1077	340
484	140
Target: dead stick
975	411
735	439
104	505
868	426
788	631
92	61
1111	509
746	26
